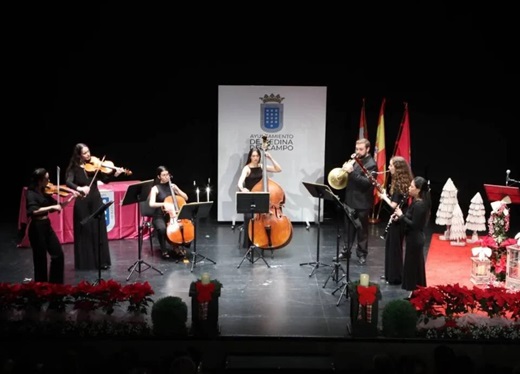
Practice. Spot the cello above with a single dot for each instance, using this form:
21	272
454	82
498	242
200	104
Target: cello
273	230
178	231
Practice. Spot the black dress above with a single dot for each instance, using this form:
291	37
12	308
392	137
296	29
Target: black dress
394	246
414	271
92	236
251	180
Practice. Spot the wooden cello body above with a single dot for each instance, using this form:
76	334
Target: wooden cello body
178	231
272	230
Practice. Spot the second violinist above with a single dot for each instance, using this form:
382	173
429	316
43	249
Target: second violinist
92	236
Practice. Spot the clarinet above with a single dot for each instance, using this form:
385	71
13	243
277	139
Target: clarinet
391	220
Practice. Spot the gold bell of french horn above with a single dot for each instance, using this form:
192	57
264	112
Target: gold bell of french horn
338	178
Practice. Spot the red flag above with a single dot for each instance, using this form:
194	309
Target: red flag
380	152
402	144
363	132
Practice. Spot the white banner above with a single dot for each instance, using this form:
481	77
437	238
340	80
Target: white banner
293	118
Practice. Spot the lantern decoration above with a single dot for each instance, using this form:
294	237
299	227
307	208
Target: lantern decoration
480	265
513	267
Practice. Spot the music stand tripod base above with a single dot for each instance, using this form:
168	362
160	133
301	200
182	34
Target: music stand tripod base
253	203
344	290
251	258
193	211
136	193
317	190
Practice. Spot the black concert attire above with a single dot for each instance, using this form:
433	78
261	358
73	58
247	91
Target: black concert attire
255	176
414	270
43	239
394	244
160	218
359	196
92	236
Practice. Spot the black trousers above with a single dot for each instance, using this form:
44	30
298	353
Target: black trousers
159	224
43	240
360	233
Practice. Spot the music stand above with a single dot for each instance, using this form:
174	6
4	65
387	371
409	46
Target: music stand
97	215
496	193
192	211
252	202
351	214
320	192
135	193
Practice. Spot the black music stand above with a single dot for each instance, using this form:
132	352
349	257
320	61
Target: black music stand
135	193
496	193
320	192
252	202
100	212
192	211
351	215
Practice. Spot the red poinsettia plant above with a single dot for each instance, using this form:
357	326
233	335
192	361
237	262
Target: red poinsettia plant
452	300
138	297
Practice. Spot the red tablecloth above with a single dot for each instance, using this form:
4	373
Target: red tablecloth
122	221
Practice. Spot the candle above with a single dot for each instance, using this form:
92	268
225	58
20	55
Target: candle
204	278
481	269
207	193
198	191
363	280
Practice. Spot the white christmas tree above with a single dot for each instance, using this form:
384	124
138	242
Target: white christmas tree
476	219
458	228
447	204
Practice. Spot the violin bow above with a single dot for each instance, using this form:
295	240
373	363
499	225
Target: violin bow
58	181
97	171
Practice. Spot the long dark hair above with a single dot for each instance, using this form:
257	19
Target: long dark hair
158	172
251	153
36	177
424	192
75	158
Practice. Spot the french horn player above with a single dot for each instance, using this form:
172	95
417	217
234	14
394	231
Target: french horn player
359	198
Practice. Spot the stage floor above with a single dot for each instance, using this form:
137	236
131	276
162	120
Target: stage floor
290	298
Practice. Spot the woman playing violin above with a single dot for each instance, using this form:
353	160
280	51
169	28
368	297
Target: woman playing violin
250	176
92	236
42	237
159	193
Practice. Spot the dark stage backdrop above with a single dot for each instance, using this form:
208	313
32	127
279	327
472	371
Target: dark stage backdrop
146	97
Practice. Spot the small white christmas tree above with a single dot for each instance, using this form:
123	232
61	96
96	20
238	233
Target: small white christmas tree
447	204
458	228
476	219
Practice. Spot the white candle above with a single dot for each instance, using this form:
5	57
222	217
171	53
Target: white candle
204	278
207	193
198	191
363	280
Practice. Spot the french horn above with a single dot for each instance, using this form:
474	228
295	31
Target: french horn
338	178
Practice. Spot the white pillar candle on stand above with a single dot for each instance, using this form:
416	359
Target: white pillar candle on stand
363	280
198	191
207	193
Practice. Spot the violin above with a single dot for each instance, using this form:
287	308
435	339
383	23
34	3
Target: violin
103	166
52	189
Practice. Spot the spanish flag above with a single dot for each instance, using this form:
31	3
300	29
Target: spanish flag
363	132
380	152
